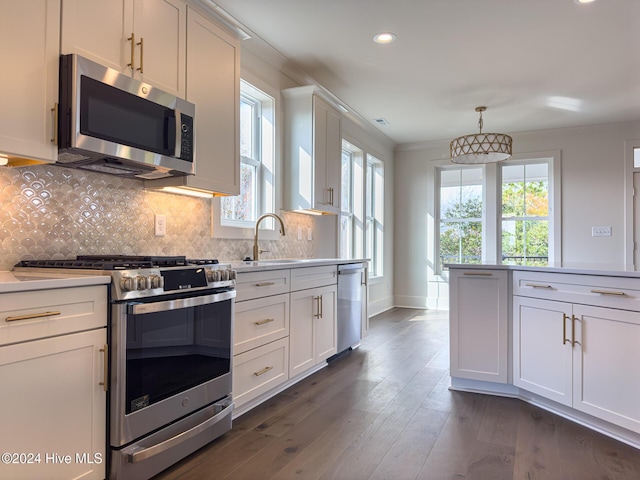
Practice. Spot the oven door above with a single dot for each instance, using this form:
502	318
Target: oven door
169	359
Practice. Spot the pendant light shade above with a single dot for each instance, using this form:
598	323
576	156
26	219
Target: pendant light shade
481	147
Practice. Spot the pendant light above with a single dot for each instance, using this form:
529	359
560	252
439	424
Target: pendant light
481	147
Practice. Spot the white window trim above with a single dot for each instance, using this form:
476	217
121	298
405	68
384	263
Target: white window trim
270	147
370	158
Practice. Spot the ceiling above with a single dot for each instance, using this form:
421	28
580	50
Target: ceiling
535	64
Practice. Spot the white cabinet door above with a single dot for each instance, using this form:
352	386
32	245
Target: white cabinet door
606	380
313	331
542	351
302	349
326	339
99	30
56	406
161	26
103	31
479	316
29	84
312	151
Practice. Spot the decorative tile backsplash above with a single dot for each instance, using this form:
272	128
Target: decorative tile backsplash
51	212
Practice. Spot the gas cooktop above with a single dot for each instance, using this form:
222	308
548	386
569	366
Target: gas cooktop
117	262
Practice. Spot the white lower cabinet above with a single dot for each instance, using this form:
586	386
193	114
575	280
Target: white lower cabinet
259	370
542	357
53	409
479	318
313	327
285	325
581	356
260	334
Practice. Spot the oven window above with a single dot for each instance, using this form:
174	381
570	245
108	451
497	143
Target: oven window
172	351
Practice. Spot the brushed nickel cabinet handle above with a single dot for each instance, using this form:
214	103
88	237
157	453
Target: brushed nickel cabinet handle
318	300
105	354
31	315
265	284
141	43
573	330
478	274
262	322
609	292
132	64
263	371
538	285
320	303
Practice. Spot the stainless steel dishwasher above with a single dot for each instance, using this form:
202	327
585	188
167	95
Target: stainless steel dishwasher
351	284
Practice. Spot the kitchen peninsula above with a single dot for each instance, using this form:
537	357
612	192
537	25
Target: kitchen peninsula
565	339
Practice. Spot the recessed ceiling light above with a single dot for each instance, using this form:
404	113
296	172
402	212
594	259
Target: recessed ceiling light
583	2
384	37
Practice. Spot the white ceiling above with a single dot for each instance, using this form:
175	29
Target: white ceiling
535	64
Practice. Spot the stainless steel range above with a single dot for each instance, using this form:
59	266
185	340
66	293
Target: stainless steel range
171	342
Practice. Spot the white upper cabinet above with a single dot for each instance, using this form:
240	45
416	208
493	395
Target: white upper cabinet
29	85
143	38
213	85
313	145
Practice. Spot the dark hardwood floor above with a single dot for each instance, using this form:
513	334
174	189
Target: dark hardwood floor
384	411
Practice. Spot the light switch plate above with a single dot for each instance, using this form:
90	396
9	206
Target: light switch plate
309	234
600	231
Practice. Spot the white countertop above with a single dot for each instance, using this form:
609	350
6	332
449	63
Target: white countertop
23	281
286	263
583	269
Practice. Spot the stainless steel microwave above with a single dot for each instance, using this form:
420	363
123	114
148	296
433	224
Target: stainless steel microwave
112	123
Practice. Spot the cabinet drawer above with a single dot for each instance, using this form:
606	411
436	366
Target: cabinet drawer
39	314
311	277
260	321
252	285
259	370
601	291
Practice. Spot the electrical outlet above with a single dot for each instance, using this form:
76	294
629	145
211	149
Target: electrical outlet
600	231
161	225
309	234
299	233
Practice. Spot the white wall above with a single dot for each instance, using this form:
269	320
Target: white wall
593	194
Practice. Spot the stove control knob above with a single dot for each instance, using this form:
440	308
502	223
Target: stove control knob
128	284
211	275
216	275
143	282
156	281
224	275
232	275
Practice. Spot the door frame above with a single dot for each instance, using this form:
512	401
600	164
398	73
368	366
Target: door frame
629	224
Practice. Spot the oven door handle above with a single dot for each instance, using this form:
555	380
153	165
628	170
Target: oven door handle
158	448
154	307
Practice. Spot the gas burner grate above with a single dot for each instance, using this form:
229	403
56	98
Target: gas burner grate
136	261
203	261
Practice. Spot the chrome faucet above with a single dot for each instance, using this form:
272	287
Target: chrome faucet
256	250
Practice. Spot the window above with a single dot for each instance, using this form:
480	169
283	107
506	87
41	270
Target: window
256	161
461	224
362	207
525	214
374	209
507	212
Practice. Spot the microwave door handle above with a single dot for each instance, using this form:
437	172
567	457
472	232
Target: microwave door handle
178	147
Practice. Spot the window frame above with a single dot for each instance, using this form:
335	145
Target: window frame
492	200
376	256
269	180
